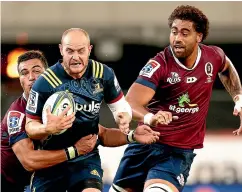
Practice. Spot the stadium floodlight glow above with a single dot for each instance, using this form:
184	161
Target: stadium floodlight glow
12	58
108	49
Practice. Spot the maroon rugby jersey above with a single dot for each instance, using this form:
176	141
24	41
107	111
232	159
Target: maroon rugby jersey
13	130
183	92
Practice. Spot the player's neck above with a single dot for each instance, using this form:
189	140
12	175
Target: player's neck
191	60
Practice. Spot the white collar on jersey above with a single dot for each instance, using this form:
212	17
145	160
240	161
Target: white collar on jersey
183	66
24	96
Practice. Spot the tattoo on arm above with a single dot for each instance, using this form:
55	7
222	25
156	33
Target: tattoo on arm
231	80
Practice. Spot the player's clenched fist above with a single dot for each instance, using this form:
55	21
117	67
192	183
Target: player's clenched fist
123	119
144	134
86	144
161	117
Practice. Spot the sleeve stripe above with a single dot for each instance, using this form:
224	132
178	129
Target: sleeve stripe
101	71
51	78
93	68
33	116
117	98
47	79
53	74
97	70
146	83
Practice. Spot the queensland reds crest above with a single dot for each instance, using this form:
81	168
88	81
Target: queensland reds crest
209	72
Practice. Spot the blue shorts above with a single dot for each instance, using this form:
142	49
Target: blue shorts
73	175
156	161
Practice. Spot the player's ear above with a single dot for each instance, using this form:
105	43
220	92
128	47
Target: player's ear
60	47
199	37
90	49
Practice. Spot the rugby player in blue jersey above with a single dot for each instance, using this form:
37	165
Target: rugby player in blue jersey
90	82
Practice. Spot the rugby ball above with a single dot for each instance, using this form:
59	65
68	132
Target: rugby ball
58	102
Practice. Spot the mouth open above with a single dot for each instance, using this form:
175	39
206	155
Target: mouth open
76	64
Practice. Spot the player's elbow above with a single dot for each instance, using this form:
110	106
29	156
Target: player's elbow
101	134
28	164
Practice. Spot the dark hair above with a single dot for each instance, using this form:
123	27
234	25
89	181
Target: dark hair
190	13
33	54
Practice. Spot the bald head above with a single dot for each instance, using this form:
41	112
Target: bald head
75	35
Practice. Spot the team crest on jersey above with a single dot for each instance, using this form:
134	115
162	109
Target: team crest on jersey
209	72
14	121
32	101
149	69
174	78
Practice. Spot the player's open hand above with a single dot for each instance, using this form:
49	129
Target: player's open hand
55	124
144	134
163	118
86	144
123	120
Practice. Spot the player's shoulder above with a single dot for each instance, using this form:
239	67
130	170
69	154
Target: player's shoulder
100	70
16	110
161	58
213	50
48	80
18	105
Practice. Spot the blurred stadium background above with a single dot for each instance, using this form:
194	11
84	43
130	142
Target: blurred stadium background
125	35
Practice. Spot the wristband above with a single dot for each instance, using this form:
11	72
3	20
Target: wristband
71	152
130	137
147	118
238	102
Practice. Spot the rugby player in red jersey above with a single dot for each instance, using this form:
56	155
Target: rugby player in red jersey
176	83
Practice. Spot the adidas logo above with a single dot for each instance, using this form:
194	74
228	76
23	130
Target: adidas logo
181	180
94	172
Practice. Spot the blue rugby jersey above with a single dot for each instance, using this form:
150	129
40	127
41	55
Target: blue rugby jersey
98	83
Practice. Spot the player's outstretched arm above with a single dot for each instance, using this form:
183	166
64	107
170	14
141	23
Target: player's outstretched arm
231	81
138	97
38	159
113	137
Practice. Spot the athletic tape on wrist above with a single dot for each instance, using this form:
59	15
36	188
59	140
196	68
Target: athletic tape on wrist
71	152
238	102
147	118
130	137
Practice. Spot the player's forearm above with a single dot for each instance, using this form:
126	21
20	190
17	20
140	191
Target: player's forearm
138	112
36	130
112	137
231	80
40	159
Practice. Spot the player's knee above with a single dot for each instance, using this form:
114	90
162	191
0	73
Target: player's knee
115	188
158	187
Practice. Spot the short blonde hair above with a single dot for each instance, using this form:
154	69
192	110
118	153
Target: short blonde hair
75	29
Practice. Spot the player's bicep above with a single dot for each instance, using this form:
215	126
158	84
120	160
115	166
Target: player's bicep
139	94
227	64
